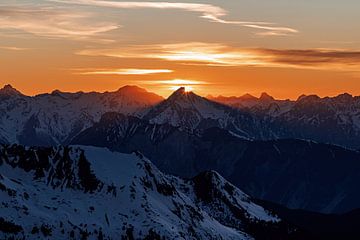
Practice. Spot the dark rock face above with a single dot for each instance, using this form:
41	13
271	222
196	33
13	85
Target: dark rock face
55	164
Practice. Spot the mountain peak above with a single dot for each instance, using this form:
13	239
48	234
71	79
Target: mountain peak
131	88
266	97
182	94
138	93
9	90
248	96
180	91
56	92
309	98
301	97
185	109
345	97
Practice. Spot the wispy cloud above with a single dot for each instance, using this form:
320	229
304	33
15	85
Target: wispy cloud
52	22
210	12
124	71
221	55
329	59
10	48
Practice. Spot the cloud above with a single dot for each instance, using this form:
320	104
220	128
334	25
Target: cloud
125	71
51	22
210	12
337	59
213	54
10	48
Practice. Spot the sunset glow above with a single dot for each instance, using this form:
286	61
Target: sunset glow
187	88
127	71
228	47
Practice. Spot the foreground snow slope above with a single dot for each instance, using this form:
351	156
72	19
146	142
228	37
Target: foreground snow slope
87	192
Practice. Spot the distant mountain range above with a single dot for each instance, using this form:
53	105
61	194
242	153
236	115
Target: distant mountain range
56	118
334	120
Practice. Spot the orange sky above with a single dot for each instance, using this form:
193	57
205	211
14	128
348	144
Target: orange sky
232	48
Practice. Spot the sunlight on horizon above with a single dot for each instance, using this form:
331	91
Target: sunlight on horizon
187	88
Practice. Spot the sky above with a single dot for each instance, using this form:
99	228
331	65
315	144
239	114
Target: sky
283	47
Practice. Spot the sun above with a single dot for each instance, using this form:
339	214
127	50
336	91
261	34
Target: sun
187	88
189	85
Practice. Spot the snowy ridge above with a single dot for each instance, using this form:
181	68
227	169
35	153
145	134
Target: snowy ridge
59	117
193	113
309	117
51	119
93	193
185	109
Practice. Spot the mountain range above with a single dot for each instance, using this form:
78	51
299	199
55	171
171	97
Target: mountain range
56	118
295	154
51	119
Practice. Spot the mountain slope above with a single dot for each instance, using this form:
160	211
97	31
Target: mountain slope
51	119
86	192
295	173
194	113
186	109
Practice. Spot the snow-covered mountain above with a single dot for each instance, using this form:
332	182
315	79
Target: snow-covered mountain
186	109
334	120
329	120
51	119
56	118
92	193
193	113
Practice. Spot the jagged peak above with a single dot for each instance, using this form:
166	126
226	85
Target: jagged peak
248	96
266	97
179	91
344	97
9	90
182	94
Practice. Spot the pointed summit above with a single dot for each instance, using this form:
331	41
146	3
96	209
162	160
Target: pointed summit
247	96
8	91
185	109
266	97
184	98
179	93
